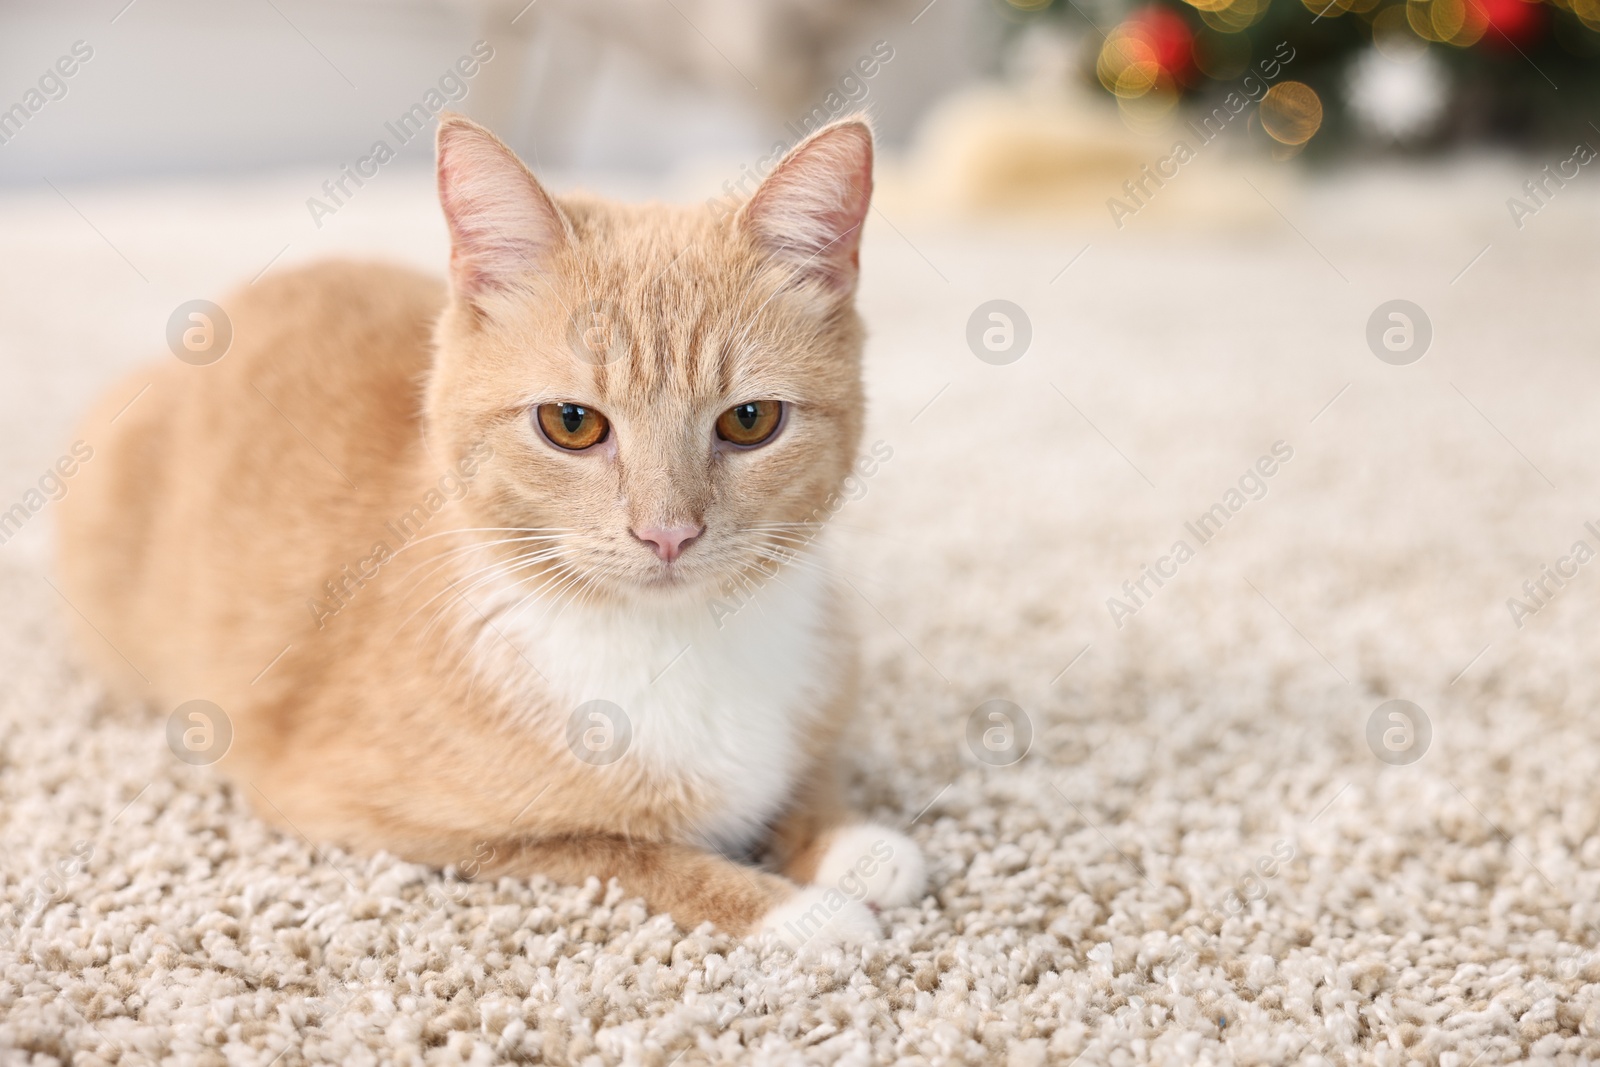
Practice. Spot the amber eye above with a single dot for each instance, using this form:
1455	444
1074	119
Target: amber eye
751	423
572	426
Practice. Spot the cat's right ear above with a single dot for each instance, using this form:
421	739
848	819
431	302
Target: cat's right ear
503	225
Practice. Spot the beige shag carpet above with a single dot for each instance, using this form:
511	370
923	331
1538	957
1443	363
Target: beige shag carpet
1201	858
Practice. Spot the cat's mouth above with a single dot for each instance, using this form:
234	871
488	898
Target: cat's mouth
665	575
693	578
675	576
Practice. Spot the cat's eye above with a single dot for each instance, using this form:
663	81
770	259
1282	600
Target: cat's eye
751	423
572	426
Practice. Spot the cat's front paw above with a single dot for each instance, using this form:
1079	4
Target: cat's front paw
878	866
822	916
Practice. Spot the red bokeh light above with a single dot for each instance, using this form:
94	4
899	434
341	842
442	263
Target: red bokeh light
1169	38
1517	21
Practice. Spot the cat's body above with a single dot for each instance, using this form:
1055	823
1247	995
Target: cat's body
355	536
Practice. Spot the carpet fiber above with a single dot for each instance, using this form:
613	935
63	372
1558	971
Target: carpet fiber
1201	858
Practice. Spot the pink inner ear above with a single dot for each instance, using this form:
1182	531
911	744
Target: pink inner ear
809	211
502	223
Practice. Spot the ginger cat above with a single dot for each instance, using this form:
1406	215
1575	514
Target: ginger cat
448	557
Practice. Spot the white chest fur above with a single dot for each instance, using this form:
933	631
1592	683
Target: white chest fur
716	698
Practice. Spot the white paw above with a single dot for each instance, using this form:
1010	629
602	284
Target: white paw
873	864
820	916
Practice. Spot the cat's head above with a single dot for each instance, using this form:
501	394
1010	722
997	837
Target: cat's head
672	394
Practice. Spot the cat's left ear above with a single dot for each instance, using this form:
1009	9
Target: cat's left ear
503	225
807	214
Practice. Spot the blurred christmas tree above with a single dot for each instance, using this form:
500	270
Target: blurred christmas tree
1392	73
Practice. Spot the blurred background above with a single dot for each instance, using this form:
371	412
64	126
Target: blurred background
1137	181
1023	91
153	152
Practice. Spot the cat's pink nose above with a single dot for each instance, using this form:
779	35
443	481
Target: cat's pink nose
668	542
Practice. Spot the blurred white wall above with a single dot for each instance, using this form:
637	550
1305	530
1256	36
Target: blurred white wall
191	86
